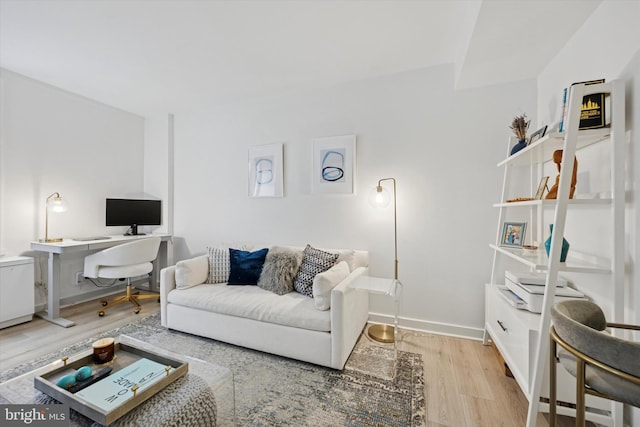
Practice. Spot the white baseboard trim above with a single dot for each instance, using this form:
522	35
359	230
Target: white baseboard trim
430	327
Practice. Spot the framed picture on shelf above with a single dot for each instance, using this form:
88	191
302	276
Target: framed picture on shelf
265	171
334	165
541	187
537	134
513	234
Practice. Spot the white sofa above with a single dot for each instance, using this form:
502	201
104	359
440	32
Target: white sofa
288	325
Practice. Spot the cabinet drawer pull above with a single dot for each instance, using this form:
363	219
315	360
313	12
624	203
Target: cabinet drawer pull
501	325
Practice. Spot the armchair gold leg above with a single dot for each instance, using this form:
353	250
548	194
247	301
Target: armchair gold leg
580	395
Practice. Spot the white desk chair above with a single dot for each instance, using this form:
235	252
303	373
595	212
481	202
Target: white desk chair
123	261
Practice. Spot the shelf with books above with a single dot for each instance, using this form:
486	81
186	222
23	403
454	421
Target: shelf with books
542	150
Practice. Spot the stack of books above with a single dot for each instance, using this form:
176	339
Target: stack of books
525	290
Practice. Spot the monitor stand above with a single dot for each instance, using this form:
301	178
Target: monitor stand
133	231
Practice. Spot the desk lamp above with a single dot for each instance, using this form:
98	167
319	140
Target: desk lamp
380	198
54	203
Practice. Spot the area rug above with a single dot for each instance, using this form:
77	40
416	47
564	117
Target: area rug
276	391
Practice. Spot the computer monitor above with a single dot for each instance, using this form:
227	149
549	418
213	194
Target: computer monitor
132	213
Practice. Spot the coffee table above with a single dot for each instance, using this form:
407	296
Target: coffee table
181	402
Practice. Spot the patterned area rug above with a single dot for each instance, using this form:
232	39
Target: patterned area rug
276	391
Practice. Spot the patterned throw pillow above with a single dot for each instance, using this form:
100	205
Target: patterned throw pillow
280	269
315	261
219	265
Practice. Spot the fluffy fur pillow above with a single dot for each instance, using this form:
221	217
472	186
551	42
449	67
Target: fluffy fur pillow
279	270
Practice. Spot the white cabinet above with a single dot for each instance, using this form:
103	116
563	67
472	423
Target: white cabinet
16	290
522	337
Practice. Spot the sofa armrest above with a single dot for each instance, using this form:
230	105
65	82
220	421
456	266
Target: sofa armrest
167	284
349	314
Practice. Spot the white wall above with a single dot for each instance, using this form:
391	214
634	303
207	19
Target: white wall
441	146
54	140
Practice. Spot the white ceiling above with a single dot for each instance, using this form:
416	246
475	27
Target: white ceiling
159	56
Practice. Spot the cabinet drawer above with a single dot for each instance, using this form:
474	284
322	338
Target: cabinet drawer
511	333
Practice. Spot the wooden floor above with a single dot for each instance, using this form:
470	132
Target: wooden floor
464	384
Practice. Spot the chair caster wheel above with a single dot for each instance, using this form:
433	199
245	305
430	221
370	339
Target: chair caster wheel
137	310
101	313
104	303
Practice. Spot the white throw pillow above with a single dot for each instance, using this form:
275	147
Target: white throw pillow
323	283
192	272
219	265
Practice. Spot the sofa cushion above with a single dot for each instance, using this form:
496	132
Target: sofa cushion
324	282
219	265
246	266
252	302
315	261
280	269
192	272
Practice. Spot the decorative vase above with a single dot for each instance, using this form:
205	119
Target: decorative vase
519	146
565	245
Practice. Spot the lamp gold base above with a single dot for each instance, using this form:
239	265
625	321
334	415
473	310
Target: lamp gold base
56	240
381	333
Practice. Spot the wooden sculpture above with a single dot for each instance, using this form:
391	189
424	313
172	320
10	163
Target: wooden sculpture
553	191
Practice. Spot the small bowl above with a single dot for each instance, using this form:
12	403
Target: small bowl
529	248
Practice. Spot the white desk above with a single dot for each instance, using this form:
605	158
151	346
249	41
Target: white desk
52	314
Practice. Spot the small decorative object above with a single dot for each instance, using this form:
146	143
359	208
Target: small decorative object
565	245
513	234
537	134
519	199
541	187
266	171
519	126
103	350
553	191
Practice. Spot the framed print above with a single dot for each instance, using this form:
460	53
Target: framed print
265	171
537	134
513	234
334	165
541	187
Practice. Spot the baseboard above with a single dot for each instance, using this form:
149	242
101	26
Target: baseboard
430	327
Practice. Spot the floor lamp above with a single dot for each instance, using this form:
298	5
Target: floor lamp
380	198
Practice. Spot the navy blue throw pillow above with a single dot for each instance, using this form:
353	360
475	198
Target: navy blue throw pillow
246	266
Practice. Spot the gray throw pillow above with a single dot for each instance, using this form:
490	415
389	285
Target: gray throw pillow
279	270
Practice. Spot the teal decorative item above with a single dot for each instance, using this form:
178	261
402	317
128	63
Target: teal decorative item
565	245
67	381
84	373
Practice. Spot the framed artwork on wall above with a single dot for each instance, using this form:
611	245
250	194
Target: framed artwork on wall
266	171
334	165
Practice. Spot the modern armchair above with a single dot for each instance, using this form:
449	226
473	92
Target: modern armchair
123	261
604	365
